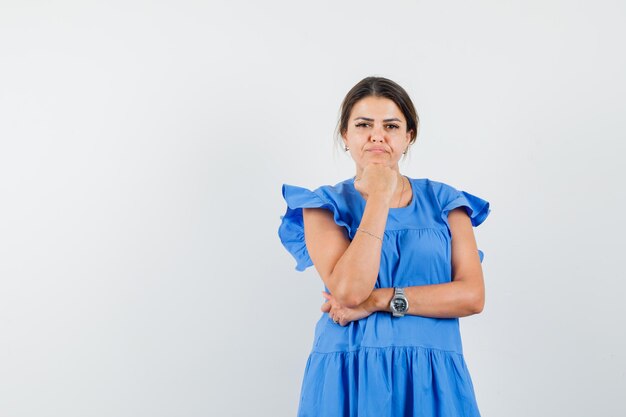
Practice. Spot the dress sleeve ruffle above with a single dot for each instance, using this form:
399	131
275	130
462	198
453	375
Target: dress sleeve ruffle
291	229
477	209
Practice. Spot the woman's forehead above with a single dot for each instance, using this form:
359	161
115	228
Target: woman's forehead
377	108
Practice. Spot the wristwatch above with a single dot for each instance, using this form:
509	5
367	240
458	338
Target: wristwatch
399	303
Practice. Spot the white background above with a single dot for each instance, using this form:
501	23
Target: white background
144	145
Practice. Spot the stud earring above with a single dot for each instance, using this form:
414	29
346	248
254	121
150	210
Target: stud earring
346	148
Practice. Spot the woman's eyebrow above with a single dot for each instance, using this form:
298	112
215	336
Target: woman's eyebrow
386	120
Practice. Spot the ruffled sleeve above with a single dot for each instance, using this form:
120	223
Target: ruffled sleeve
476	208
291	229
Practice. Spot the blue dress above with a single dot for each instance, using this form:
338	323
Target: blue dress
382	365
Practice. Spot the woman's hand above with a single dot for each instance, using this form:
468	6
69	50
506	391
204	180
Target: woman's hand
377	179
345	315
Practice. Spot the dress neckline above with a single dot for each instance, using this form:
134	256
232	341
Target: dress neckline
396	209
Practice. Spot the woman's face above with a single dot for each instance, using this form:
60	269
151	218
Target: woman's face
376	132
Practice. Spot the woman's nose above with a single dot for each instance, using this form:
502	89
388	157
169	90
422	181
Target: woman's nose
377	135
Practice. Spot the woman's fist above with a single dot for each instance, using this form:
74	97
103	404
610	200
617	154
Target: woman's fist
377	179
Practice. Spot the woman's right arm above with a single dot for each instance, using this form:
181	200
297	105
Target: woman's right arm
349	269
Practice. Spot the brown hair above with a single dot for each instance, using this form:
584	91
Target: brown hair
378	87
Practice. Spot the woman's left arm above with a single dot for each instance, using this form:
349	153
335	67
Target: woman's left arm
464	296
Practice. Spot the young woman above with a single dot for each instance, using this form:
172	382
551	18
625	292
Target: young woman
400	265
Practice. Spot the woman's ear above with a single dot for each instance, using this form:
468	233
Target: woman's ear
344	140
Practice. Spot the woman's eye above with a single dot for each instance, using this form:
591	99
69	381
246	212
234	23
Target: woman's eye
394	126
362	124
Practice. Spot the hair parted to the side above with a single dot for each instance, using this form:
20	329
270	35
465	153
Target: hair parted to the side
377	87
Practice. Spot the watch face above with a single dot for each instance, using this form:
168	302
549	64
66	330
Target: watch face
399	304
